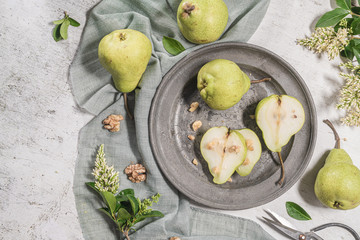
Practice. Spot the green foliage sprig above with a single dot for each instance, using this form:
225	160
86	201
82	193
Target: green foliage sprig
124	209
337	33
60	30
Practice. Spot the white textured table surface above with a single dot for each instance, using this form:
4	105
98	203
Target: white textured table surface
40	120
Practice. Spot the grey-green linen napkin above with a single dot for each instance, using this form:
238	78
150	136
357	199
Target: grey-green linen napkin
93	90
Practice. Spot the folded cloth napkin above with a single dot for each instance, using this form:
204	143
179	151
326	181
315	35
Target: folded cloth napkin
93	90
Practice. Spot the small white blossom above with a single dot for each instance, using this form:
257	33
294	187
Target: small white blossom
106	178
327	40
352	118
350	96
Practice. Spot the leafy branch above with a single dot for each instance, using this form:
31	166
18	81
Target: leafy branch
337	33
124	209
60	30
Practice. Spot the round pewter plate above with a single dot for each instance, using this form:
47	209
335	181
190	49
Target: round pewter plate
170	124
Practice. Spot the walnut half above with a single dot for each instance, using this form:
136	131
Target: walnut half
112	122
136	173
196	125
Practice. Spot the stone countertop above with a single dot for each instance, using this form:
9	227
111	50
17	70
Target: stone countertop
41	121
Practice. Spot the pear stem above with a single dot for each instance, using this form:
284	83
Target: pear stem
260	80
188	8
282	170
127	107
337	138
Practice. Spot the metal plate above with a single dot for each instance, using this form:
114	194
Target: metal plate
170	124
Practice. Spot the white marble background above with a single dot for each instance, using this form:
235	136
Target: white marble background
40	120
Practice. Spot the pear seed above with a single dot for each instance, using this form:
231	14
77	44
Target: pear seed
246	162
249	145
215	170
211	145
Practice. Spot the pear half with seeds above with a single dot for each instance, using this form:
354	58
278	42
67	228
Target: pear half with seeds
279	117
253	153
224	150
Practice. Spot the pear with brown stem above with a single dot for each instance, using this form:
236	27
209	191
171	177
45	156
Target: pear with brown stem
337	184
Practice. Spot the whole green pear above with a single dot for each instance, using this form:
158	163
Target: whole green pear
337	184
222	83
202	21
125	53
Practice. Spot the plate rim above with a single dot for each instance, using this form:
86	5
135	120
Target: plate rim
313	124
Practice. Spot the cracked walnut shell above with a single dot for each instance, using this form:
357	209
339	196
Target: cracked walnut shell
136	173
112	122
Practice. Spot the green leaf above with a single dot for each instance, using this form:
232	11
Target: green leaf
106	211
108	197
297	212
64	28
355	10
348	52
128	191
56	33
149	215
331	18
172	46
110	200
123	214
59	21
134	204
92	186
121	198
73	22
356	51
355	25
355	42
345	4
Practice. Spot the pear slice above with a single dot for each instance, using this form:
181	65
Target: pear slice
279	117
224	151
253	153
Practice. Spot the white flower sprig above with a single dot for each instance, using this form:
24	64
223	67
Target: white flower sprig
106	178
328	40
333	41
350	95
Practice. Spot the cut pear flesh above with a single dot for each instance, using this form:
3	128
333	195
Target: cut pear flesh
279	117
253	153
224	151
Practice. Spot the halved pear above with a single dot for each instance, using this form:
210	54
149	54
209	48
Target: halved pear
224	150
253	153
279	117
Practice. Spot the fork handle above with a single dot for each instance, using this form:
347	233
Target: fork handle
352	231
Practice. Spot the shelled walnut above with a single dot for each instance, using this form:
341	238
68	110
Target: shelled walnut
193	106
196	125
112	122
136	173
191	137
